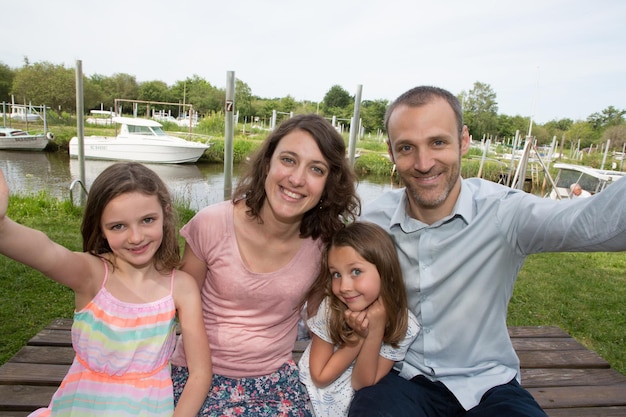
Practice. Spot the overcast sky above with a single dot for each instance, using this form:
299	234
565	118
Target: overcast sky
543	58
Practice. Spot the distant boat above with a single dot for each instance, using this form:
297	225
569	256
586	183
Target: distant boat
101	118
590	179
140	140
20	140
23	113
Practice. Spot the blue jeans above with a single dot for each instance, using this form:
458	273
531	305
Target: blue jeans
394	396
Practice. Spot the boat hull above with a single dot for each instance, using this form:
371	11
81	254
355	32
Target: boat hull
24	143
163	151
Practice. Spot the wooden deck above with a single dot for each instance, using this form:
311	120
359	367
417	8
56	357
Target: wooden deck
566	378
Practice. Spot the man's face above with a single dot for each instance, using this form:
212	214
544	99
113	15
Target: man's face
425	146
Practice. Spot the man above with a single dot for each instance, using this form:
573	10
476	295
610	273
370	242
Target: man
461	244
578	192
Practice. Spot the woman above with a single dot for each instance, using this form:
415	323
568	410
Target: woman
255	258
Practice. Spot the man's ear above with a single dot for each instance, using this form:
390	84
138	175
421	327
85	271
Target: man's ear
465	140
393	160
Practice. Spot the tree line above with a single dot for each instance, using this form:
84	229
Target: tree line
55	85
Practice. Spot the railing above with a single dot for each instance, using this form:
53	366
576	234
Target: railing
82	188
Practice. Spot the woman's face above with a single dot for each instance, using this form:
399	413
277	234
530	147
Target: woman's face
296	178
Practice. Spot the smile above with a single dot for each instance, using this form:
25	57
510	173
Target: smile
430	178
290	194
139	249
350	299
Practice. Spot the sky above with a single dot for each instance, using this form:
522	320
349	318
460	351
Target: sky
545	59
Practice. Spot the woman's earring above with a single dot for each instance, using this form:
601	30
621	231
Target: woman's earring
320	204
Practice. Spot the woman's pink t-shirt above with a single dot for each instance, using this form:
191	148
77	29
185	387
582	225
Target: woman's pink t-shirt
250	318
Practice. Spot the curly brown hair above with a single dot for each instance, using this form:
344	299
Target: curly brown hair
121	178
340	202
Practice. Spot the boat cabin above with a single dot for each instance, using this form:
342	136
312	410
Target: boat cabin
590	179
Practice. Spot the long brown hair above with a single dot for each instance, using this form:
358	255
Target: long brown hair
374	245
121	178
340	202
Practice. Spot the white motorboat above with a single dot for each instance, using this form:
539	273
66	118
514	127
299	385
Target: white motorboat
592	180
140	140
21	140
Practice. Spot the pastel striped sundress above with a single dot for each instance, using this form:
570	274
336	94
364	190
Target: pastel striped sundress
121	367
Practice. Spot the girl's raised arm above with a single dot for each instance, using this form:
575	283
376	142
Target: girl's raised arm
33	248
197	350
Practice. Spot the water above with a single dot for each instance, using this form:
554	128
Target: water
195	185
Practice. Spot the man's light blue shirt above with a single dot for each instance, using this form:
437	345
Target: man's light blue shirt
460	272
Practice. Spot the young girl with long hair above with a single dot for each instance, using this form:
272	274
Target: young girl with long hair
128	295
362	325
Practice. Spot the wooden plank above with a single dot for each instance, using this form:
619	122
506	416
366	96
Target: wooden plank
580	396
59	355
533	378
562	359
48	337
25	397
60	324
537	331
15	413
32	373
546	343
587	412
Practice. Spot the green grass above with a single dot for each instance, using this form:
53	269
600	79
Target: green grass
583	293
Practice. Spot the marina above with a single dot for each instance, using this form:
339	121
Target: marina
193	185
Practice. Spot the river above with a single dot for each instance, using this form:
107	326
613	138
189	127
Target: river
192	185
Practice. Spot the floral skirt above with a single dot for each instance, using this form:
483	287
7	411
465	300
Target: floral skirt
277	394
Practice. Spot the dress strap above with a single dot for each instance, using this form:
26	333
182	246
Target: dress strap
172	282
106	272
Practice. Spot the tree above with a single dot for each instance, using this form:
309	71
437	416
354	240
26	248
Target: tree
287	104
106	99
336	98
243	99
617	135
373	115
47	84
154	91
122	86
582	132
559	125
195	90
508	126
6	81
480	110
608	117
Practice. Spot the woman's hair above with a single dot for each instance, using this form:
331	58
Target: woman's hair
339	202
121	178
374	245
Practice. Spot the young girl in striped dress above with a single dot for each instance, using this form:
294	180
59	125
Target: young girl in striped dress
128	295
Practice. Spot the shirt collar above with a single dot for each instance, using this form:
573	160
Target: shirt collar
464	209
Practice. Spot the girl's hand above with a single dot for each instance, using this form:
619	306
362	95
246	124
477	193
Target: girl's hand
376	315
358	321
